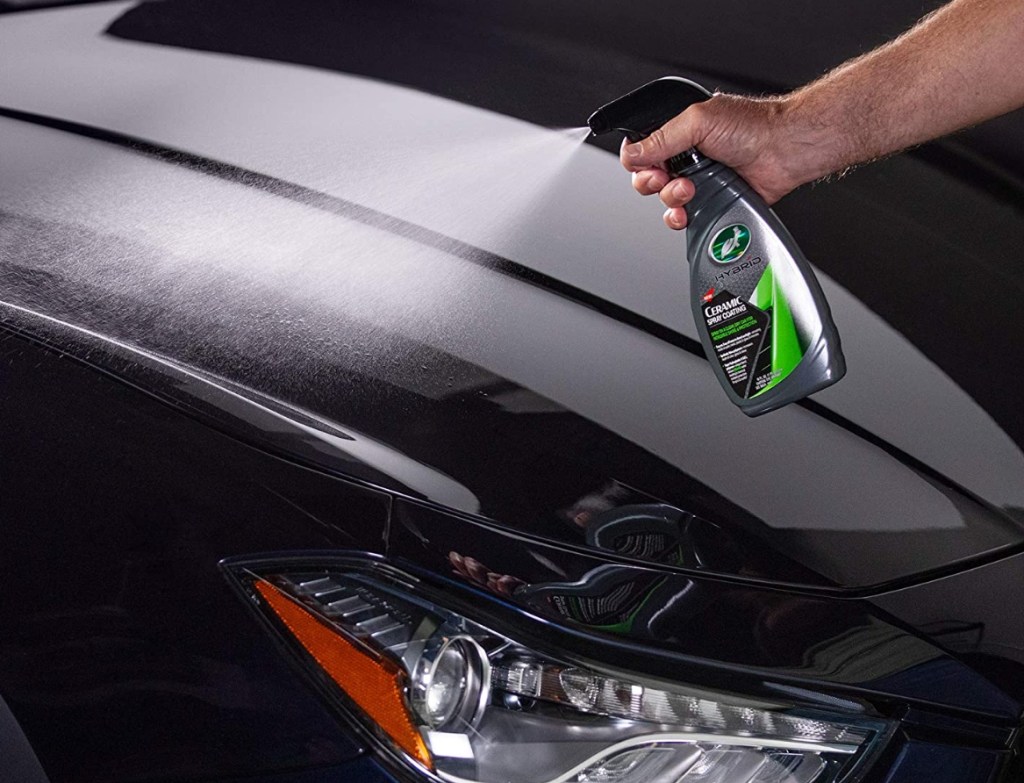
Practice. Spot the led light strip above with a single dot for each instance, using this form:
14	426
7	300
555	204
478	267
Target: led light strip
608	696
678	739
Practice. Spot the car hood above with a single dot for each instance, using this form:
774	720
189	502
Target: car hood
474	310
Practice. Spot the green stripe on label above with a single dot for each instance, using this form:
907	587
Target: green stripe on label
786	350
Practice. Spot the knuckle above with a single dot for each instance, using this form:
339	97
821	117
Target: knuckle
674	194
657	142
697	114
688	127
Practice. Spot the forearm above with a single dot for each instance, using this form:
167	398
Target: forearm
959	66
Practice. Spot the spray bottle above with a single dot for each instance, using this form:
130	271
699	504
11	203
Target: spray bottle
762	318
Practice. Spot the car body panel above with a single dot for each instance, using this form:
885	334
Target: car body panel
844	643
123	652
142	623
321	117
969	614
440	334
234	334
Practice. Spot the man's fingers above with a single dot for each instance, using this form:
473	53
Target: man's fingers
674	193
650	181
646	158
675	136
677	193
675	218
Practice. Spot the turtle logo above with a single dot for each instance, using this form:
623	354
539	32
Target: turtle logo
730	243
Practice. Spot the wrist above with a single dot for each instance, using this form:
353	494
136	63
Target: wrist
808	145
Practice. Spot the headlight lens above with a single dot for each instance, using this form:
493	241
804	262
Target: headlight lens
451	681
456	699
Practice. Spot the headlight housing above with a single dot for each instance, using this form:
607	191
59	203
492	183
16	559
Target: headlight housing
452	698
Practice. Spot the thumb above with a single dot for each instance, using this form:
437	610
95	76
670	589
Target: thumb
677	135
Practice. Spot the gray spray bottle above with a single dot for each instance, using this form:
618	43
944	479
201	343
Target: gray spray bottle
762	318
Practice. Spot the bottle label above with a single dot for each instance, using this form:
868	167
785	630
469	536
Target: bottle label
746	313
738	331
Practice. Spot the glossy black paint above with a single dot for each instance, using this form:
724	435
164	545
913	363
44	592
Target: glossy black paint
780	636
977	524
504	63
31	5
927	761
147	597
524	60
970	614
123	650
142	441
551	459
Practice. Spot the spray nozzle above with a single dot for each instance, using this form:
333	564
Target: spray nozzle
639	113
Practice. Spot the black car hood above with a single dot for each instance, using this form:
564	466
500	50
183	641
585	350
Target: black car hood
531	364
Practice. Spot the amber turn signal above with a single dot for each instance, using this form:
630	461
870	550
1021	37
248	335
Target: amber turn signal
374	683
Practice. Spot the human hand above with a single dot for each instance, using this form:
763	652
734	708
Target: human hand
753	136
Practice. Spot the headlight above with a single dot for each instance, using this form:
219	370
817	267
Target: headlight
455	699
